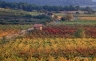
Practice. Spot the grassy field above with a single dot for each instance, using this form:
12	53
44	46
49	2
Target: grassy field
79	22
15	26
87	18
59	14
76	15
85	15
35	13
9	16
9	12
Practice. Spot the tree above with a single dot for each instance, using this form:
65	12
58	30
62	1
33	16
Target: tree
88	9
71	8
69	17
25	6
63	18
77	8
77	13
31	7
80	33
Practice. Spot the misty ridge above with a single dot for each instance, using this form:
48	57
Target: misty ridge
56	2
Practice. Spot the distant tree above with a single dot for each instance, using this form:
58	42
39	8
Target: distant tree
31	7
88	9
69	17
77	8
77	13
71	8
25	6
63	18
20	5
66	8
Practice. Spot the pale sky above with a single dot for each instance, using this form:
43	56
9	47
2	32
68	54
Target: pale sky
94	0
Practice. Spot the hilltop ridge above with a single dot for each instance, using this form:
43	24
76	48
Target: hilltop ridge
56	2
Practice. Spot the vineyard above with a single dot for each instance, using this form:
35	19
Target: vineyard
53	43
55	39
63	31
7	32
48	49
11	29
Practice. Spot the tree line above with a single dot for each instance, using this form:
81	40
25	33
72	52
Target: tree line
31	7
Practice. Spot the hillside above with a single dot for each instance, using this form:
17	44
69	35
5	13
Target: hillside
56	2
9	16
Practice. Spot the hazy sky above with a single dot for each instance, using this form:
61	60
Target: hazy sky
94	0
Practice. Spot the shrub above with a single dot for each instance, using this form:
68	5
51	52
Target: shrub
63	18
80	33
69	17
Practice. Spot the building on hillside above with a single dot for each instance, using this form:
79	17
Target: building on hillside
38	26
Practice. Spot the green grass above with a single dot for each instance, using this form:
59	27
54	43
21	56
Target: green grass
15	26
59	14
12	12
9	16
77	15
17	12
78	22
35	13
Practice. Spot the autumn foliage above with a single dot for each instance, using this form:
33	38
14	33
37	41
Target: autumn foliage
64	32
53	43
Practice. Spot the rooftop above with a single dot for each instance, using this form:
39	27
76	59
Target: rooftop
37	25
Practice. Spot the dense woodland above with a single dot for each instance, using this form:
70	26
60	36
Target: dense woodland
31	7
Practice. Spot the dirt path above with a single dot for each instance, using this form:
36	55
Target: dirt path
21	33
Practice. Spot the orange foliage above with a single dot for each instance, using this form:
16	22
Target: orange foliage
8	31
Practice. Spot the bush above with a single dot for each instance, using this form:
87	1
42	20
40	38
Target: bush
80	33
77	13
68	17
63	18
